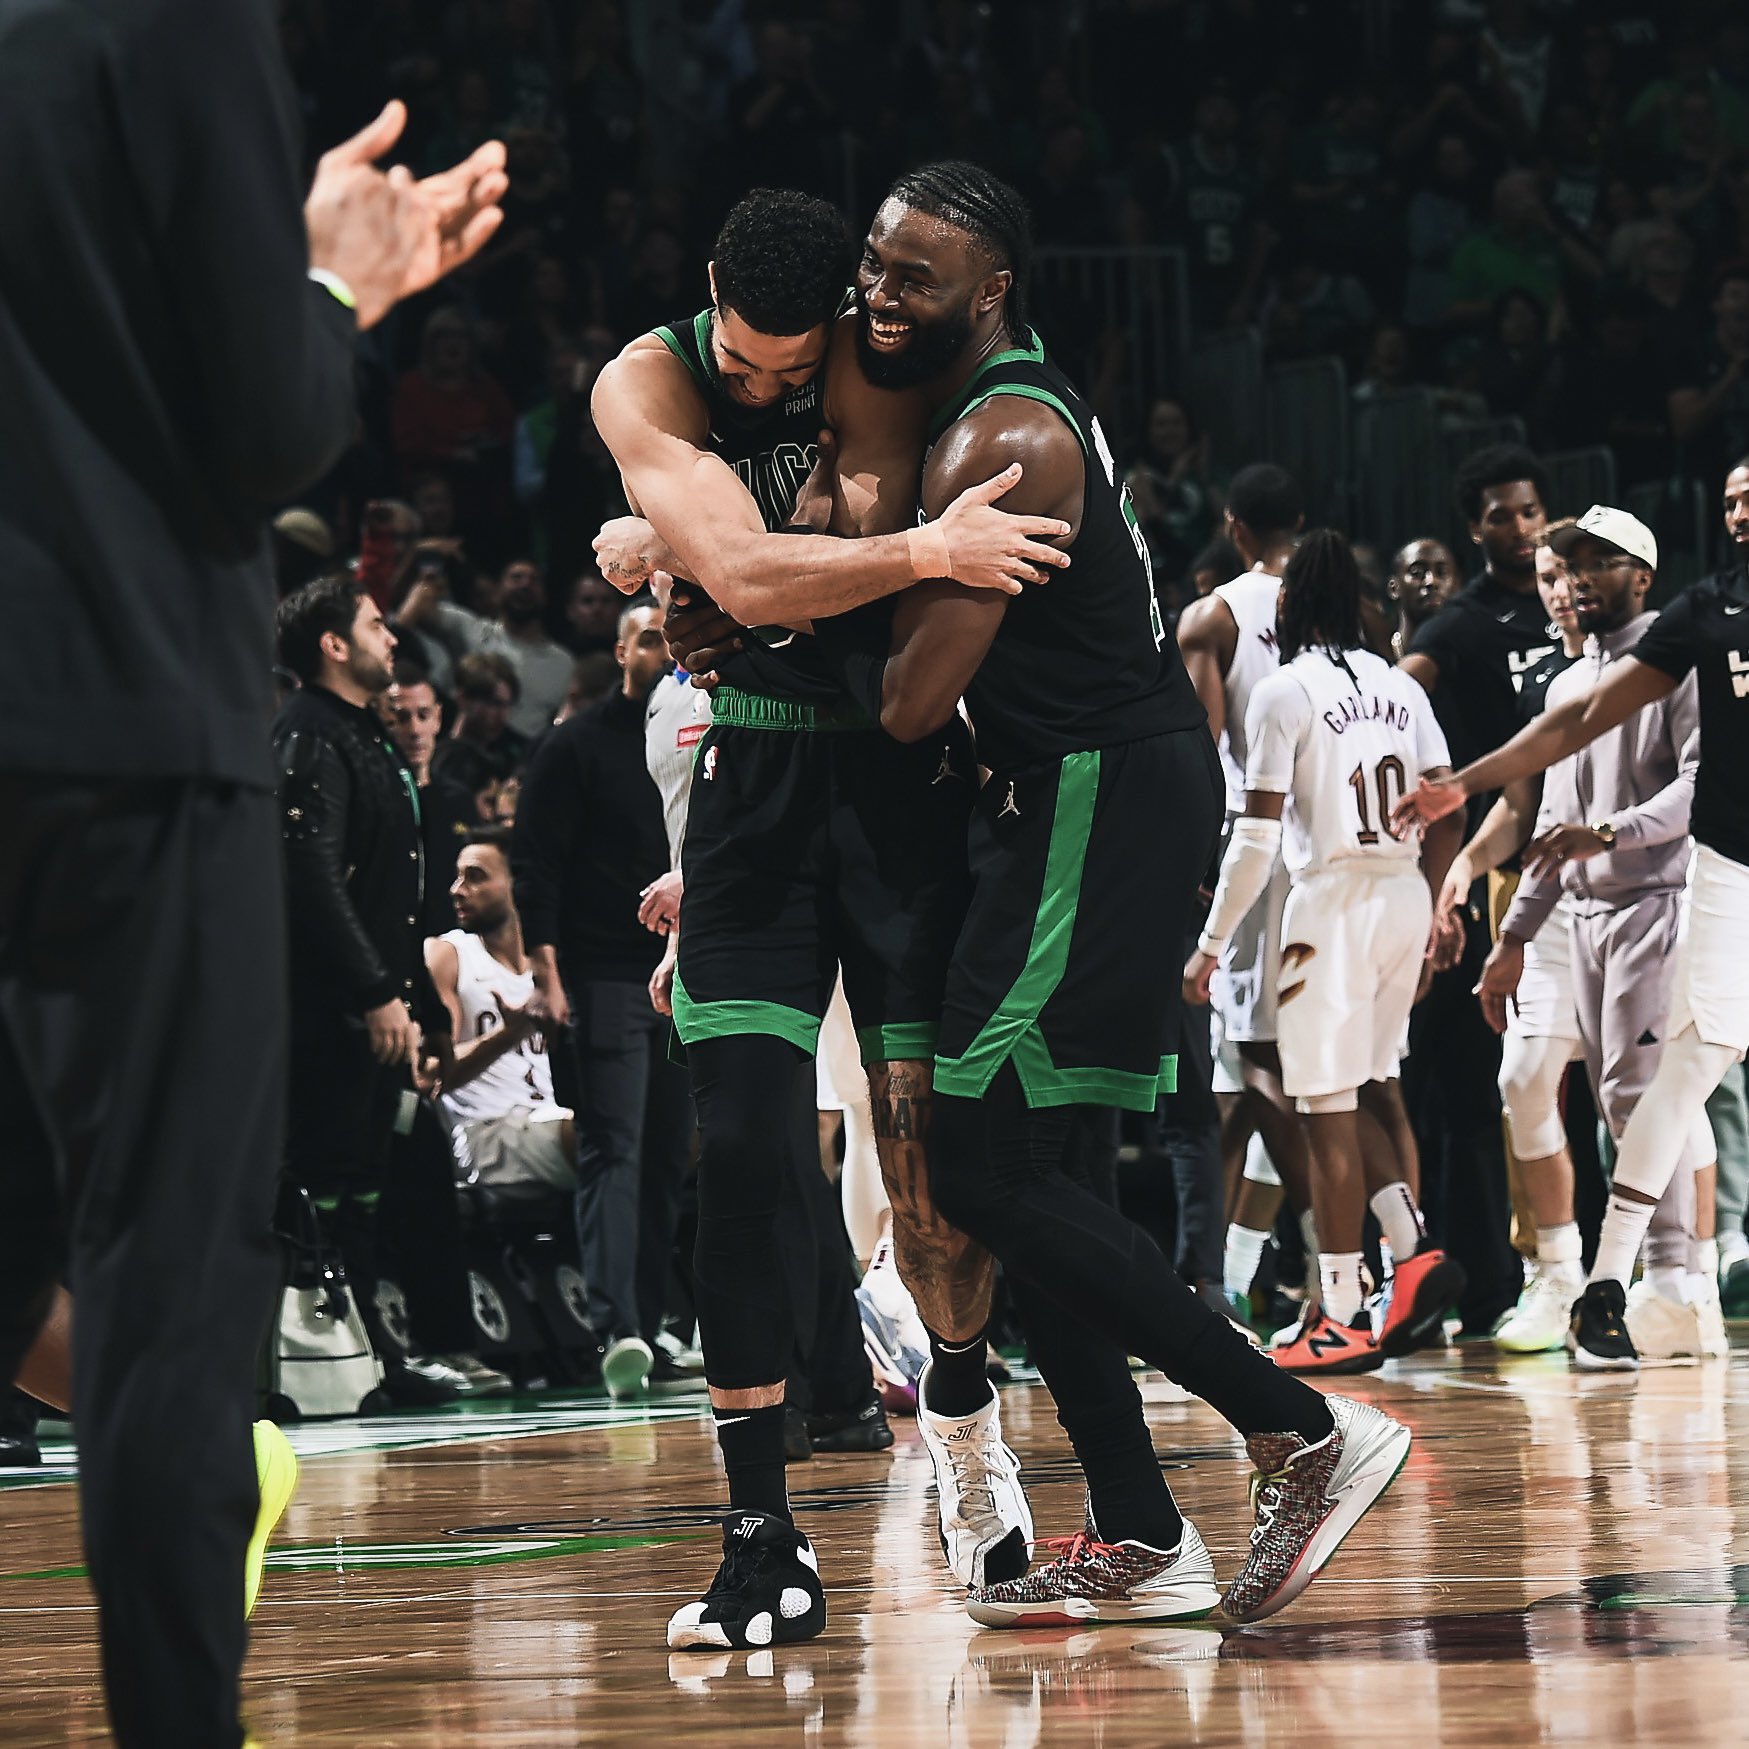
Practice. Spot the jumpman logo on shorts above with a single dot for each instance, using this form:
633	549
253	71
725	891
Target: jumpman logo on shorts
946	770
1008	807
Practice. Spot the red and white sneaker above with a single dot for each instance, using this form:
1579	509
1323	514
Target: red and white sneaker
1091	1581
1421	1290
1307	1498
1321	1345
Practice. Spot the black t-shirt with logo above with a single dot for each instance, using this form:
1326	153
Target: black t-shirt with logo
1487	640
1705	630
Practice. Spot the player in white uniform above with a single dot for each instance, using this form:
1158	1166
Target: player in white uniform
507	1128
1228	641
1336	737
1542	1025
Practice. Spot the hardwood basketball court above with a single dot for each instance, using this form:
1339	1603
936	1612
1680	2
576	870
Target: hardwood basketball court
1556	1563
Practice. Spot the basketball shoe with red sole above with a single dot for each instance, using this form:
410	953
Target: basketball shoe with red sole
1422	1289
1321	1345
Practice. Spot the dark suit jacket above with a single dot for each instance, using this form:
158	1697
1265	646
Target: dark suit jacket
168	374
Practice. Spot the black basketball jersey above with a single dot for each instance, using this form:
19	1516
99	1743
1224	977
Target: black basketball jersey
772	450
1084	660
1705	631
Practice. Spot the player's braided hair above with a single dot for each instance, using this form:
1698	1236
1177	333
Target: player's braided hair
782	261
969	198
1320	605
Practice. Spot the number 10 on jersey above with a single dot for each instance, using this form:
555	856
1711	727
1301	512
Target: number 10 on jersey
1388	783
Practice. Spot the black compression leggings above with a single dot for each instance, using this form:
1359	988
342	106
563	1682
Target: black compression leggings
745	1089
1008	1176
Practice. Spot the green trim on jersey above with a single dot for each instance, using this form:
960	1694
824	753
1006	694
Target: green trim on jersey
1012	1033
1033	352
694	361
904	1042
1027	392
696	1021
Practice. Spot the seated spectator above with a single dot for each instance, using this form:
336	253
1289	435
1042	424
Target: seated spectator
593	676
1709	409
490	782
543	668
536	428
1173	488
1389	367
510	1134
1311	310
592	610
486	691
424	612
1441	214
1521	249
1340	187
1512	361
449	415
1211	201
1688	180
434	504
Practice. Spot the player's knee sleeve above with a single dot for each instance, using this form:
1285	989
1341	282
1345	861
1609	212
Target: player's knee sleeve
1530	1085
1259	1168
1658	1134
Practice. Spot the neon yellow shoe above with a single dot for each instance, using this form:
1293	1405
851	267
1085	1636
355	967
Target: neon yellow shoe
276	1470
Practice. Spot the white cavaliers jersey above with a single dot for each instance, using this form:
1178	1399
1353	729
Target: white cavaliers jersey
1345	740
520	1079
1251	600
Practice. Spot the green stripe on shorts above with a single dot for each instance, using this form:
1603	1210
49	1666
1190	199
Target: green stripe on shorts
1047	955
1044	1083
906	1042
695	1021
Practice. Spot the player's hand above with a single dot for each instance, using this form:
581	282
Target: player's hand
549	1006
700	635
393	1032
388	236
1454	894
523	1022
1545	854
659	911
1199	970
626	551
1501	972
662	979
1445	942
1432	799
991	549
813	505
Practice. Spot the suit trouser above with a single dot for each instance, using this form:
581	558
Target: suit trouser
1624	963
634	1129
142	1064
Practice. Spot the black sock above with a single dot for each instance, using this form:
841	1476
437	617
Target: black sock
752	1444
1129	1496
958	1383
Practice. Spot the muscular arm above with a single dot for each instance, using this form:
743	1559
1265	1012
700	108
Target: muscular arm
1208	636
470	1058
1423	670
650	416
941	631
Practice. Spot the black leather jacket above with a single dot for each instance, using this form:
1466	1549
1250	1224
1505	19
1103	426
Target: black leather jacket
354	859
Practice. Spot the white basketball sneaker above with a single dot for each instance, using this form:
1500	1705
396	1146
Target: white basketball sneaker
1665	1332
986	1524
1538	1323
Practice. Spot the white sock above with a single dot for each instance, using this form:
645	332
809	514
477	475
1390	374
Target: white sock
1669	1284
1339	1276
1242	1258
1558	1247
1618	1245
1704	1257
1400	1218
1387	1260
1733	1248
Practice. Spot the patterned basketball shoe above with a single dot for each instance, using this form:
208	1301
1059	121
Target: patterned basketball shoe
767	1592
1307	1498
1091	1581
1420	1291
986	1524
1321	1345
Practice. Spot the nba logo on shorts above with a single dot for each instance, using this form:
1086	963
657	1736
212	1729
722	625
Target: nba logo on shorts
709	768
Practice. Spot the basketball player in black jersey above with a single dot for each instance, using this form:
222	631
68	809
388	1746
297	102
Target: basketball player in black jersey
814	842
1087	845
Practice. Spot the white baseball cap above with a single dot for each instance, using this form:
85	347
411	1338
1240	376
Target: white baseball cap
1615	528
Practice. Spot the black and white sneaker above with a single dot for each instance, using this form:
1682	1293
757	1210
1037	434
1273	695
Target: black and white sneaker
767	1592
1598	1338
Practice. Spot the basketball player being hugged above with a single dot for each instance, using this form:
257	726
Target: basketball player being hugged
813	842
1344	736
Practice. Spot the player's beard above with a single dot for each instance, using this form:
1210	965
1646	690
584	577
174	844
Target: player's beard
933	348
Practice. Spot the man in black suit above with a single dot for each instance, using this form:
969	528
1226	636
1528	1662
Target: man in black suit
175	361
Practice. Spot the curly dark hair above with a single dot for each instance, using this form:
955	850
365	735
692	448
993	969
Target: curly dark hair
969	198
1494	466
1320	597
328	604
1267	499
782	261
